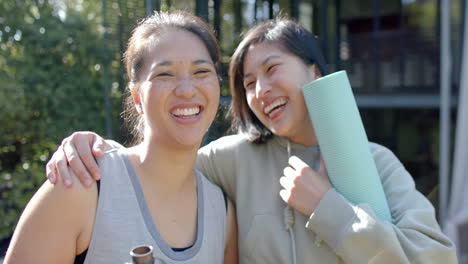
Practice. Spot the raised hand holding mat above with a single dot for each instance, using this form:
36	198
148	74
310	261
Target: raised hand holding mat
343	142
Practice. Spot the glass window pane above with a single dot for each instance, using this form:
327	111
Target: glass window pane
390	46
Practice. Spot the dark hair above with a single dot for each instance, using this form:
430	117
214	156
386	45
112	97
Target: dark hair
294	39
143	36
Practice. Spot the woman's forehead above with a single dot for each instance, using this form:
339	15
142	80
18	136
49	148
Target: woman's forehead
260	53
178	46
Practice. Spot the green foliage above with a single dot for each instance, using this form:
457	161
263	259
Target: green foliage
50	85
17	186
52	57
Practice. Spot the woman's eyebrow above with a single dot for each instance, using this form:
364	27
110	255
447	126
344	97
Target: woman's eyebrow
160	64
154	66
202	61
265	61
169	63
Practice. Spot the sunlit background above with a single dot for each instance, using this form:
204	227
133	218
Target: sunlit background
61	70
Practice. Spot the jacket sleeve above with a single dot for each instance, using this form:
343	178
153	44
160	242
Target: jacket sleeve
358	236
218	163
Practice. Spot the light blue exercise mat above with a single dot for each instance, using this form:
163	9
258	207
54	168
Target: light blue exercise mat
343	142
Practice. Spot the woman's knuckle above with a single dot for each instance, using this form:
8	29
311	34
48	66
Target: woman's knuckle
60	163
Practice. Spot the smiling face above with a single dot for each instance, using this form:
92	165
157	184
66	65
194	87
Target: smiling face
178	94
273	80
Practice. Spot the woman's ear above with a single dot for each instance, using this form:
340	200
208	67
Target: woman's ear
136	99
315	70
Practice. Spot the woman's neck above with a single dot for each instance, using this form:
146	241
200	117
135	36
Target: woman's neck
167	168
305	141
305	136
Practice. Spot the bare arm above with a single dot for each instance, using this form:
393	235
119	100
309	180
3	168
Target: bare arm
55	226
231	255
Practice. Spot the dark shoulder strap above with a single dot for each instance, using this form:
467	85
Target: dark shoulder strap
98	185
79	259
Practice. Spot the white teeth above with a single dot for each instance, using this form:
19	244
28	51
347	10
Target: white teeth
186	111
275	103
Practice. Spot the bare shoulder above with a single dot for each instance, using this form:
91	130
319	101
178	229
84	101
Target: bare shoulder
55	218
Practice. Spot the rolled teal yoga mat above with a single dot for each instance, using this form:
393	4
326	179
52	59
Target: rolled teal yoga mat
343	142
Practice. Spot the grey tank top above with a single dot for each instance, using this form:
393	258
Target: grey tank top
123	219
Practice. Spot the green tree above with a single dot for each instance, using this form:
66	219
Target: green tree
50	85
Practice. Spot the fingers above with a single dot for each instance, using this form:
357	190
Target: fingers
62	172
99	146
80	149
289	172
286	183
297	163
87	147
303	187
75	151
51	171
285	195
76	162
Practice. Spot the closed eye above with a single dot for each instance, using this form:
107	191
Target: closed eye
249	85
162	74
202	71
272	67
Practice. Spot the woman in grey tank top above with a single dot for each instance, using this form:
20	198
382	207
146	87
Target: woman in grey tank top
155	196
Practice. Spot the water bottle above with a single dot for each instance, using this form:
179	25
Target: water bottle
142	254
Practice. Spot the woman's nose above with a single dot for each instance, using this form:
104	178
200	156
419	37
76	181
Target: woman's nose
262	87
185	88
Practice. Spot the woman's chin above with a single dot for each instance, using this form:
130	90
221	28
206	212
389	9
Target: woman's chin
189	141
279	131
